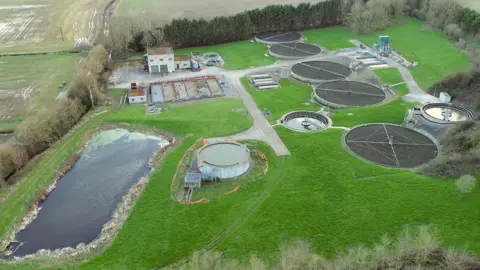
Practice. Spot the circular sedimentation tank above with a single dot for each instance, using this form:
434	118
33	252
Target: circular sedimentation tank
306	121
293	50
319	71
339	94
223	160
275	37
446	113
391	145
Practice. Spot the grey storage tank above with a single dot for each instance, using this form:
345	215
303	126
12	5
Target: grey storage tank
223	160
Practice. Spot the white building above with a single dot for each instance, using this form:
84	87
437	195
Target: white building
137	99
160	60
136	94
182	62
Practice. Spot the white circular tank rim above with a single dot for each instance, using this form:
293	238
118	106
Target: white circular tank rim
329	124
228	171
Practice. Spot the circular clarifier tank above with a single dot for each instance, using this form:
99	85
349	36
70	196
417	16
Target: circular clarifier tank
306	121
445	113
293	50
275	37
339	94
320	71
391	145
223	160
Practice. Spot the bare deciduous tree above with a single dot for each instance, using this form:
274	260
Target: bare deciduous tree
375	15
440	13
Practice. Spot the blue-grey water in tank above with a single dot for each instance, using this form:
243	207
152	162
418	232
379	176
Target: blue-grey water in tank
86	197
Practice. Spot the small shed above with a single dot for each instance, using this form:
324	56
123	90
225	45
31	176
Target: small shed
445	97
183	62
193	180
136	94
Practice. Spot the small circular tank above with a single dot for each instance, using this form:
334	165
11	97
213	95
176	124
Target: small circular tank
446	113
223	160
306	121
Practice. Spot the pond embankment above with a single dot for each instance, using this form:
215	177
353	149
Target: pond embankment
91	197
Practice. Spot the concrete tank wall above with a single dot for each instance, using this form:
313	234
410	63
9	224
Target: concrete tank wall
224	172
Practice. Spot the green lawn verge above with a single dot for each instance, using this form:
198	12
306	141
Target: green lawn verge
237	55
392	76
392	112
291	96
331	38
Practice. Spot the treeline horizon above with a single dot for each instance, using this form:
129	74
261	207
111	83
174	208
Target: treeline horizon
135	35
129	35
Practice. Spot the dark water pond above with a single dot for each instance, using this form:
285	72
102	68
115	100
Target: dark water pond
86	197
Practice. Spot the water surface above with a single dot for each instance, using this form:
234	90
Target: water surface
86	197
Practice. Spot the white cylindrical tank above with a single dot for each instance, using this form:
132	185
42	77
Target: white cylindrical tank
223	160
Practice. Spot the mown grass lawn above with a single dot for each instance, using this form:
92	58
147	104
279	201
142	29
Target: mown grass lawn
321	193
291	96
435	54
392	76
331	38
391	112
237	55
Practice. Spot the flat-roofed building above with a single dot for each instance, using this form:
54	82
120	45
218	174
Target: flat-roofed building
160	60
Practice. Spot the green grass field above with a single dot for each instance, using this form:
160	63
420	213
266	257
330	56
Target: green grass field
321	192
392	76
35	77
291	96
437	57
237	55
331	38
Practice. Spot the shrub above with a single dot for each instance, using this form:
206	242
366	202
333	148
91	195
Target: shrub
12	158
38	132
466	184
440	13
413	249
368	17
453	31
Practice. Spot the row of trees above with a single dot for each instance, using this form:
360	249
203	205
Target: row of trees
36	133
135	34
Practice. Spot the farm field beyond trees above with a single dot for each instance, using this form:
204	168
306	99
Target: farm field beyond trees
170	9
32	82
32	26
